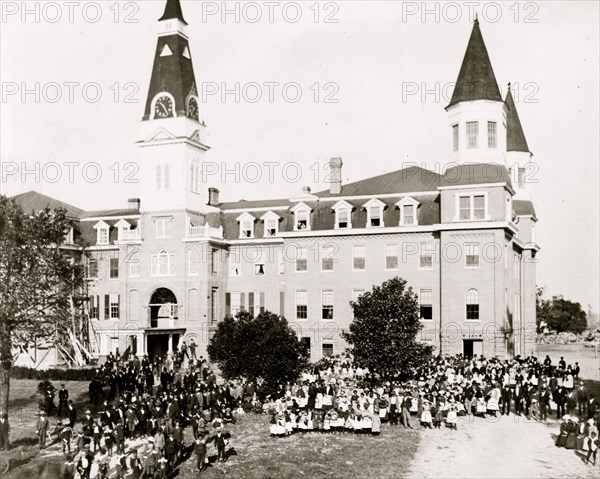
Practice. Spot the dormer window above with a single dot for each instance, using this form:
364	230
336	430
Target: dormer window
246	225
271	221
374	209
123	228
102	236
301	217
408	211
343	212
69	236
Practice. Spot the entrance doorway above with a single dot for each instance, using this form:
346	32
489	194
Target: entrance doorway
472	347
163	305
158	344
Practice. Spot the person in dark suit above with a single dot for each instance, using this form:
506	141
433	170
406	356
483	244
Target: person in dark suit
71	414
506	399
592	406
559	397
221	440
63	400
544	400
200	449
518	398
4	432
582	399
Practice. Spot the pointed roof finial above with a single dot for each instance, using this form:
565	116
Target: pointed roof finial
173	10
476	17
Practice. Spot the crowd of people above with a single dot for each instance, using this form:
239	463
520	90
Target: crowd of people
148	416
341	398
142	416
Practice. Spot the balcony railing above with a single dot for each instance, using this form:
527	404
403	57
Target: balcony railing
205	231
130	235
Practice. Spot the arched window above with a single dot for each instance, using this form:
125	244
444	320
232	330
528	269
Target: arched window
472	301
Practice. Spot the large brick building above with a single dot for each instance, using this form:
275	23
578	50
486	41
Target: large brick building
177	260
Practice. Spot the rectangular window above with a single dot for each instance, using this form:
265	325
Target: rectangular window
281	303
301	259
327	349
69	236
259	268
163	227
391	256
214	261
408	215
517	265
375	215
343	217
306	343
93	268
358	258
472	134
280	262
102	236
327	253
426	304
454	137
471	207
464	205
134	265
492	134
114	306
162	264
472	256
472	312
426	260
247	229
301	305
235	263
193	262
327	304
236	303
479	207
114	268
214	305
94	306
271	227
301	219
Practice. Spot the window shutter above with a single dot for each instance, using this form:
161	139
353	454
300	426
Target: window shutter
251	303
106	306
281	303
228	304
118	306
242	301
261	302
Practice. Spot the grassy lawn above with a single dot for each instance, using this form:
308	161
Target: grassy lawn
256	454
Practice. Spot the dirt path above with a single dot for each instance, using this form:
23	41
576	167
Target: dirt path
507	448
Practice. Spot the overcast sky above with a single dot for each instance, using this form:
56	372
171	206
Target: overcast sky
370	63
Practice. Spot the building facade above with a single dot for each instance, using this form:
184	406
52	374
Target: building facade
173	263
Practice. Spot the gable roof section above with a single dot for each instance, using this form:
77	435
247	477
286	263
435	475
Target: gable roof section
34	201
406	180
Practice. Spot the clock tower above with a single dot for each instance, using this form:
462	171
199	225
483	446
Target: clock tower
172	143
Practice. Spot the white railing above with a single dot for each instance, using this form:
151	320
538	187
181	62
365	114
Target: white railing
130	235
205	231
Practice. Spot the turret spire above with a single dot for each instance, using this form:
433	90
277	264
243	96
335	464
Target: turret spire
476	80
173	11
515	137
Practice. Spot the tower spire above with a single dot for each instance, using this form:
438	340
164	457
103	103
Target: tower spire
515	137
476	79
173	11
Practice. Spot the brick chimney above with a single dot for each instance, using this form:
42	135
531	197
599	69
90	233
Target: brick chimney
335	176
134	203
213	197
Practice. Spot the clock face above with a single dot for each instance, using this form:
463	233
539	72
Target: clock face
163	107
193	109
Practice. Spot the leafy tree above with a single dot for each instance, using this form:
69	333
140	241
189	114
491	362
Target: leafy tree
559	314
383	334
542	309
38	281
263	348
